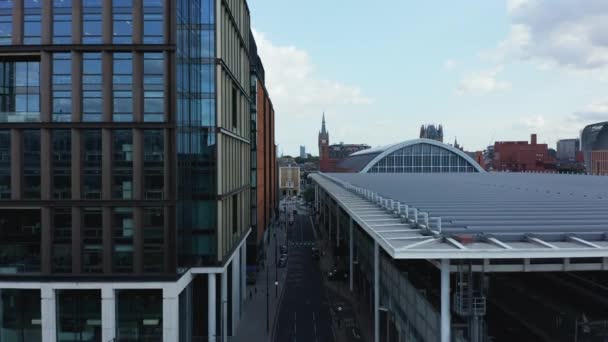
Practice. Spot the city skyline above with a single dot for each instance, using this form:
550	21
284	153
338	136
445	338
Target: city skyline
511	68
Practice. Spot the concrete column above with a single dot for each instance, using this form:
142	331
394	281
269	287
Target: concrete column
445	301
236	293
17	34
170	316
76	22
108	314
224	304
211	306
351	253
48	314
46	36
138	21
377	292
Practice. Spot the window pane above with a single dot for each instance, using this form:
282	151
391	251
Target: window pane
5	164
92	228
19	241
31	164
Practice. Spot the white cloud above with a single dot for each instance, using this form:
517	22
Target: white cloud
567	33
592	113
450	64
535	122
300	95
482	82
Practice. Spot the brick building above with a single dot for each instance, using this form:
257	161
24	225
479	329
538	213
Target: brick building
331	155
518	156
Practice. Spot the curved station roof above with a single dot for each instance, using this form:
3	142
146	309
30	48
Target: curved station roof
478	215
412	156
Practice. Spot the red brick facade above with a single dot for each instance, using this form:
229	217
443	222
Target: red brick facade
519	156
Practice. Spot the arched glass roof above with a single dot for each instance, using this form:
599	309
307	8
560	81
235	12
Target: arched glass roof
413	156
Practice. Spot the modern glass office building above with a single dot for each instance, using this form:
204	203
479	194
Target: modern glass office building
124	169
594	138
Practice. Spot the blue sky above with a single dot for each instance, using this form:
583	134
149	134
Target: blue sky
487	70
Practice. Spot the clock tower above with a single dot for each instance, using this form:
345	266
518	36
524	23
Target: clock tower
323	141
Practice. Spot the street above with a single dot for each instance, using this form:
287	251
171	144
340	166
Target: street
304	314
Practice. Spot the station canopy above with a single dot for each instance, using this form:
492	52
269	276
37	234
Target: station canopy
477	215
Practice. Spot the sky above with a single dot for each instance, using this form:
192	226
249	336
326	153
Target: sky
487	70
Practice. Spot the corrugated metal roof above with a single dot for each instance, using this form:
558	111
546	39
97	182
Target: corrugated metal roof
477	215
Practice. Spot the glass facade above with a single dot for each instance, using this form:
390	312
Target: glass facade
31	164
91	21
19	91
6	21
79	316
19	241
62	240
91	164
32	21
20	319
122	22
154	156
92	231
122	164
62	21
91	87
122	86
196	138
153	22
62	164
422	158
139	315
5	164
62	87
122	227
153	237
154	81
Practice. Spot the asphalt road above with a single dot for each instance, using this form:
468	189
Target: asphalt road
304	313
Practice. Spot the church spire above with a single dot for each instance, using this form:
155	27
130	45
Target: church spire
323	130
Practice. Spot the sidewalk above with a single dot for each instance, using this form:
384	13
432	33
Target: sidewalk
253	321
339	292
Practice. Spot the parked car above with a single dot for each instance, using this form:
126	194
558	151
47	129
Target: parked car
284	249
282	262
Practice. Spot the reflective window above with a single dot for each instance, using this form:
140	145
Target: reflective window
19	241
422	158
153	239
19	91
153	22
92	237
6	22
122	228
122	164
122	22
62	87
154	103
62	164
31	21
21	315
62	21
91	164
91	22
153	164
62	240
31	164
5	164
78	316
139	315
92	85
122	85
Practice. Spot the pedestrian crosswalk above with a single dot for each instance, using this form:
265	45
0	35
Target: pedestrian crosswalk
301	243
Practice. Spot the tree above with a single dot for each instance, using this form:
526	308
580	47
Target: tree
309	194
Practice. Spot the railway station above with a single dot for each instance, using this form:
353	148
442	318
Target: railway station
472	256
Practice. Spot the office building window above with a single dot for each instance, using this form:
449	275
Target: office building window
62	87
122	227
154	81
235	213
92	85
31	21
31	164
122	164
153	164
20	310
153	22
92	22
19	241
122	86
91	164
235	109
79	316
122	22
62	240
153	219
92	237
62	164
6	22
139	315
19	91
5	164
62	21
